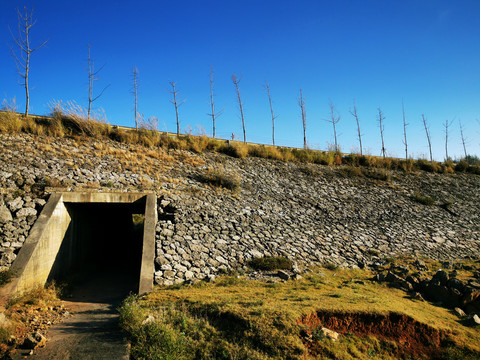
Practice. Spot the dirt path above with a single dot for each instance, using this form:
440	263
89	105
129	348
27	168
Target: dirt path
92	331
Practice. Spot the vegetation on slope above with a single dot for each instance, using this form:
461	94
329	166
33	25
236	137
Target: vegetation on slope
236	318
68	120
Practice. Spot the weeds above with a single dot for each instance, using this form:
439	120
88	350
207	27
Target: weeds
425	200
270	263
220	177
6	276
69	119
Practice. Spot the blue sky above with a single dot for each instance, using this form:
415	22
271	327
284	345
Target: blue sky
375	53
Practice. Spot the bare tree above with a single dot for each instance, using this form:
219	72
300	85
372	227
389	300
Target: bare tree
92	76
334	121
301	103
267	87
446	125
22	58
176	102
427	132
135	93
236	81
355	115
213	115
404	132
464	139
381	118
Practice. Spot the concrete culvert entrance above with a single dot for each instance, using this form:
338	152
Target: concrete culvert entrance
90	236
102	245
101	250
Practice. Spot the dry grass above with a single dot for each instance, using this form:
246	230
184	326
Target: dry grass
69	119
220	177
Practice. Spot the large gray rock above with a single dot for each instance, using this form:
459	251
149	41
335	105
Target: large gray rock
15	204
5	214
24	212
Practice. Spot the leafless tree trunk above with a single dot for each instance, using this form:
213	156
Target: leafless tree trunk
135	93
381	118
334	121
464	139
428	136
236	81
92	76
301	103
213	115
405	132
267	87
177	102
446	125
22	58
355	115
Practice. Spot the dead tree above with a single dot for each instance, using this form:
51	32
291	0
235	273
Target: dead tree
92	76
334	121
22	58
176	102
213	115
404	132
355	115
446	125
135	93
301	103
235	82
464	139
381	118
267	87
427	132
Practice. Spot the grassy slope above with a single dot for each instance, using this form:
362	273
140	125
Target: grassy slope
244	319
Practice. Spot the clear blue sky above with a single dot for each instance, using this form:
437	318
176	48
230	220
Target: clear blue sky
374	52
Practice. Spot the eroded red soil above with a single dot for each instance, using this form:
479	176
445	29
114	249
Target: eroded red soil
412	337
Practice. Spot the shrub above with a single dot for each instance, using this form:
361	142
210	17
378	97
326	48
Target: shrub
429	166
377	174
235	149
350	171
220	177
265	152
462	166
5	276
270	263
425	200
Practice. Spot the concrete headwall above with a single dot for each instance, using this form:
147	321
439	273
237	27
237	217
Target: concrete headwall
33	265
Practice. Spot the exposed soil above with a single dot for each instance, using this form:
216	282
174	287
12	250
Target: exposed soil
411	336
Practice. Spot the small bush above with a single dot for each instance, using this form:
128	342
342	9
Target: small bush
220	177
270	263
429	166
330	266
377	174
350	172
235	149
425	200
5	276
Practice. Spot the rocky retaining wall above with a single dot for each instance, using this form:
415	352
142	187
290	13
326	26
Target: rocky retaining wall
309	213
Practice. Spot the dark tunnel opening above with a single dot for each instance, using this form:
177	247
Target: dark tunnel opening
101	252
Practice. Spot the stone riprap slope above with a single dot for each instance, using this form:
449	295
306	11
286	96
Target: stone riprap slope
311	214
